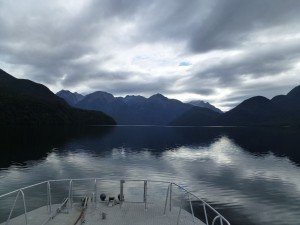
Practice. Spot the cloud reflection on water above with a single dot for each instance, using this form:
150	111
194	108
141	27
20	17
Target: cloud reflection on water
213	163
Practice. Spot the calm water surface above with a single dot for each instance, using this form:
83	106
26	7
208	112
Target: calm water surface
252	176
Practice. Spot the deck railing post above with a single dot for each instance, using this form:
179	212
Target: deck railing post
192	210
221	220
167	196
145	194
205	214
71	194
121	192
170	201
95	190
178	218
12	209
49	196
25	208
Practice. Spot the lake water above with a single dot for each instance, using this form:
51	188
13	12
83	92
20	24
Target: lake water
250	175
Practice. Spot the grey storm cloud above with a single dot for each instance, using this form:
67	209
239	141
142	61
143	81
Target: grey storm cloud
87	45
231	23
256	63
229	73
125	87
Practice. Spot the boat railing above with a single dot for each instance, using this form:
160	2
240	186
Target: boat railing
55	194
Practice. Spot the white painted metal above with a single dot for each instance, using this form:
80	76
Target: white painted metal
156	212
166	202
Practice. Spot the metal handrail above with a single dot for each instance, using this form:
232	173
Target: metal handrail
205	203
95	180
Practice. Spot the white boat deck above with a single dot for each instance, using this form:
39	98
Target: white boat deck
127	214
179	204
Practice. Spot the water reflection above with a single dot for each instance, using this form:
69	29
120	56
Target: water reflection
251	175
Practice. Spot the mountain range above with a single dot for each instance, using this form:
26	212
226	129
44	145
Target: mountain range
204	104
135	110
282	110
23	102
69	97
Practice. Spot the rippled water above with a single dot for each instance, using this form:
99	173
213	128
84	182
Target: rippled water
252	176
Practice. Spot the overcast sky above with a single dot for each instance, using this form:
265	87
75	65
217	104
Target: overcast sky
222	51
